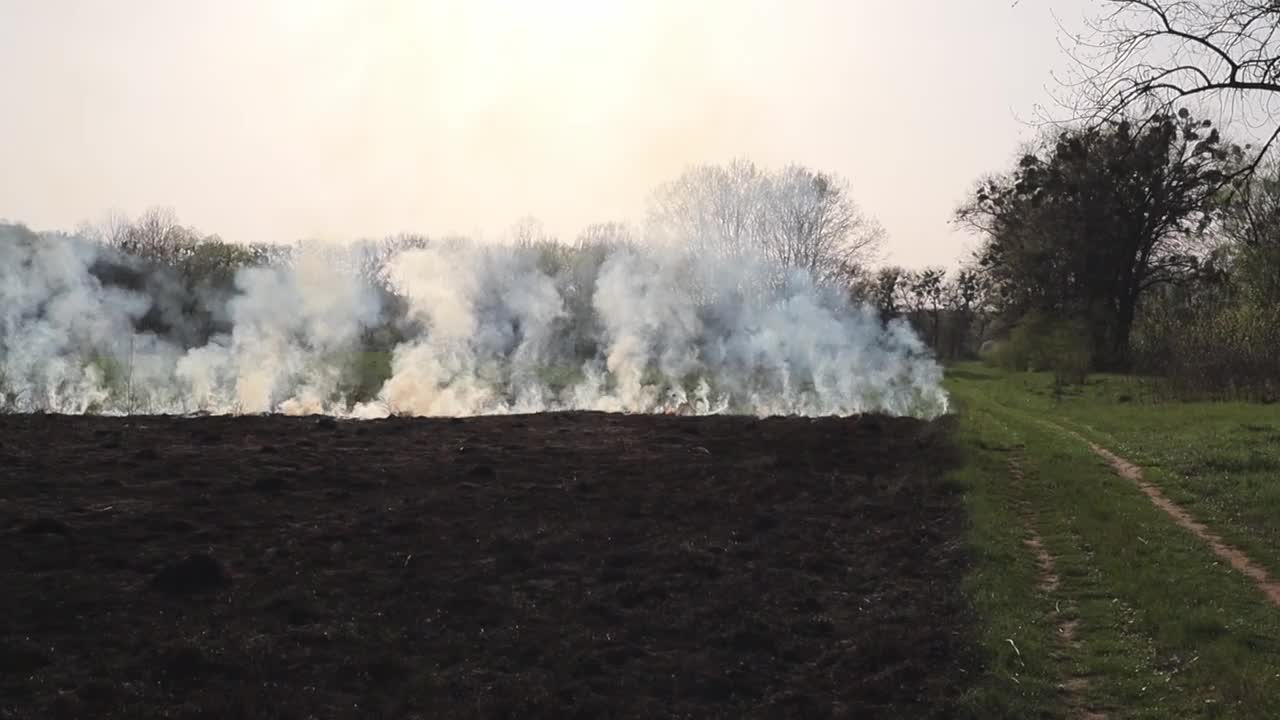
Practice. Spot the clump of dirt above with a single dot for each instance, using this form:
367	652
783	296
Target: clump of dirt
46	526
562	565
196	573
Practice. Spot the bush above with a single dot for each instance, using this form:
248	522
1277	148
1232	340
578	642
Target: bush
1039	343
1213	350
365	373
998	353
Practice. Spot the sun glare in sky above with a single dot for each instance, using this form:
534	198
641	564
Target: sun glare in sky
271	121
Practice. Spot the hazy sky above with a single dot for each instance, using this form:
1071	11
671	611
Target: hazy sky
274	120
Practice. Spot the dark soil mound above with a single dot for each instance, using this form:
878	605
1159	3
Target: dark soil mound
192	574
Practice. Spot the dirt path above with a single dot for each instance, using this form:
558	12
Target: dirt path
1049	580
1234	556
1076	686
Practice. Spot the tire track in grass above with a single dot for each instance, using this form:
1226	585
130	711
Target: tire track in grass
1154	644
1075	686
1232	555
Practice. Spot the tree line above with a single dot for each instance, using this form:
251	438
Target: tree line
793	218
1136	245
1134	235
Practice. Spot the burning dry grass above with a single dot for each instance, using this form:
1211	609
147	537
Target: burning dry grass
452	329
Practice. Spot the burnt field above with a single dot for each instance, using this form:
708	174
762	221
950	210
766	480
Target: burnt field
546	566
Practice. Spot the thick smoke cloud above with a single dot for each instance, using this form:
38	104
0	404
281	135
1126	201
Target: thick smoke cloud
476	329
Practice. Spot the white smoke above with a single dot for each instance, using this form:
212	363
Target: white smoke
56	322
488	315
290	326
483	329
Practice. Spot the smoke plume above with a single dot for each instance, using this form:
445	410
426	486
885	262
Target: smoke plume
448	329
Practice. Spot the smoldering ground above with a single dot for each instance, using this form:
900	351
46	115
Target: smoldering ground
448	328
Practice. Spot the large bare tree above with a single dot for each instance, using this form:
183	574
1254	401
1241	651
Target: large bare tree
156	236
810	221
712	207
1141	57
795	217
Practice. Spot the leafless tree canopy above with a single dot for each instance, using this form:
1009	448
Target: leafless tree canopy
605	234
795	216
1146	55
156	235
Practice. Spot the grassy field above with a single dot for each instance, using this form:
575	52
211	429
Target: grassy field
1141	619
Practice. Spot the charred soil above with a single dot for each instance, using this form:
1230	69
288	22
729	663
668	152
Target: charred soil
546	566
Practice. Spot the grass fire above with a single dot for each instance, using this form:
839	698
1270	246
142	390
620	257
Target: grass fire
496	360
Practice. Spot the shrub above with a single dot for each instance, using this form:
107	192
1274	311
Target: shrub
998	353
1039	343
1212	350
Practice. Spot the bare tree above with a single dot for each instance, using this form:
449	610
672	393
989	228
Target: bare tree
373	257
928	286
1254	216
156	236
1143	56
809	221
529	232
795	217
606	234
965	297
713	207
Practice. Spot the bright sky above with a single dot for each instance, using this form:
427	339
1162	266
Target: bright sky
271	120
